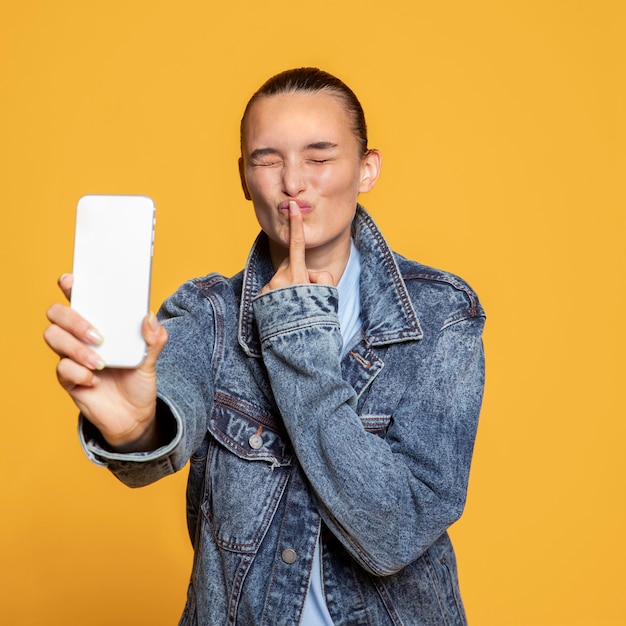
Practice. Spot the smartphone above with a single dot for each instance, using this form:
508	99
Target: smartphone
113	249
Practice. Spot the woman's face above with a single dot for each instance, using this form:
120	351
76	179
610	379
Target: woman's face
300	146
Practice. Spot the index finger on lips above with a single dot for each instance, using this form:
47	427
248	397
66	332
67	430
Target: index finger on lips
297	244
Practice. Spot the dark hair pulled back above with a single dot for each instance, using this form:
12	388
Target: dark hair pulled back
313	80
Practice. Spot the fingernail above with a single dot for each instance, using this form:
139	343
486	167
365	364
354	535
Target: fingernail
94	336
62	278
95	362
152	321
293	207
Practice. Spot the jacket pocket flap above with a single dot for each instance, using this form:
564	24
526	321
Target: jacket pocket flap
248	431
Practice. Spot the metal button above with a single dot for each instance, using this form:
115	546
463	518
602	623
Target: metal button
289	556
255	441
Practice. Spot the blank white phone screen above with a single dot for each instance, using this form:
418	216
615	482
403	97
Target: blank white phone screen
113	250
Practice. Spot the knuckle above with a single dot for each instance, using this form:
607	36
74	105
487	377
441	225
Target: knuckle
63	374
52	311
81	326
70	374
82	354
62	367
164	336
48	334
51	336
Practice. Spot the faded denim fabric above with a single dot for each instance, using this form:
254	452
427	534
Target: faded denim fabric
286	440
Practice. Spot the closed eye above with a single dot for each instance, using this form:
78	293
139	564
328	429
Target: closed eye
265	163
265	157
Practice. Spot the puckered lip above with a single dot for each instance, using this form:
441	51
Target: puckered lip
305	207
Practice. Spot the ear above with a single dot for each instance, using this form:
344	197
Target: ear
242	178
370	170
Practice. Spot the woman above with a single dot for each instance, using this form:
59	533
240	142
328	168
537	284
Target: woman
326	397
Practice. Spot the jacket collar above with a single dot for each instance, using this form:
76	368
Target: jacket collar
387	313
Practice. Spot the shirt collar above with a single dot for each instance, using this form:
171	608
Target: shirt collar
387	313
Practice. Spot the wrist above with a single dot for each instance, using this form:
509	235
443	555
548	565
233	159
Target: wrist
144	442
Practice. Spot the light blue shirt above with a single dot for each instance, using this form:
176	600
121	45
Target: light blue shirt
315	612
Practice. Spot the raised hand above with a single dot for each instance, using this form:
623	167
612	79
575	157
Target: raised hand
121	403
293	270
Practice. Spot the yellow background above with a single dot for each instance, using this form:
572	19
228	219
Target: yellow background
502	128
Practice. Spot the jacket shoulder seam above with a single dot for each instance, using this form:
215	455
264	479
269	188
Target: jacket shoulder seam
474	308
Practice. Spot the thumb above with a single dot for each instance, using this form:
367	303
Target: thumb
155	337
321	278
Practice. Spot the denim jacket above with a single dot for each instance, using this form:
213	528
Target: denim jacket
288	444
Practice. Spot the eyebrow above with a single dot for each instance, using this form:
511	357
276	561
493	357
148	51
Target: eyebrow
321	145
317	145
261	152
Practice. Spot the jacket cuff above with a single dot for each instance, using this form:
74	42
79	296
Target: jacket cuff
294	307
100	453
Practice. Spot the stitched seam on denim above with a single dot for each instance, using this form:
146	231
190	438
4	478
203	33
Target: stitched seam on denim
204	514
433	581
276	556
364	378
394	270
217	358
246	296
249	455
209	281
328	291
386	599
461	316
444	563
215	302
376	421
251	411
235	596
363	609
270	510
295	326
362	554
396	337
475	308
308	578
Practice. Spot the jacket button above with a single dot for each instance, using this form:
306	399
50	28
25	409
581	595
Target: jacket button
289	556
255	441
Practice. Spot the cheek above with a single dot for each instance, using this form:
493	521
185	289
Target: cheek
339	184
260	182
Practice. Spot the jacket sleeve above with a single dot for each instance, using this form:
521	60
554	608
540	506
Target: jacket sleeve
386	500
184	393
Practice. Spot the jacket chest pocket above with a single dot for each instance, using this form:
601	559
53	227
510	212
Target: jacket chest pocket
247	468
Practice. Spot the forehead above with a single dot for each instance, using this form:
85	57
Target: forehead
297	116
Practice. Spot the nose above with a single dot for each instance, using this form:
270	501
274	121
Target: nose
293	179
